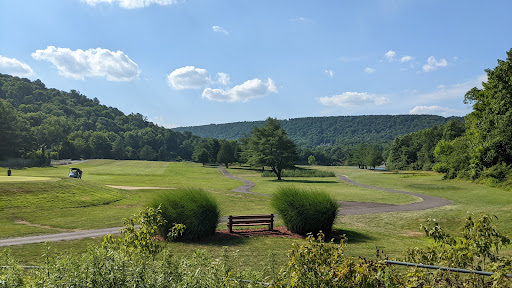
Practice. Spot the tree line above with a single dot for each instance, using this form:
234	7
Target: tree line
39	122
480	148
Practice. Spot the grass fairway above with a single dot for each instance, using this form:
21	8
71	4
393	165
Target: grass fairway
54	203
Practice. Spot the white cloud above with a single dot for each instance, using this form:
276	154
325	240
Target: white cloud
78	64
350	99
369	70
132	4
329	73
14	67
220	30
301	20
436	110
223	78
390	55
453	91
250	89
433	64
406	58
189	77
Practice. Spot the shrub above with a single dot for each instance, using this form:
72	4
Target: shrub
305	211
194	208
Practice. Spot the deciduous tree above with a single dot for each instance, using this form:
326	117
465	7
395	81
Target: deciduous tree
270	146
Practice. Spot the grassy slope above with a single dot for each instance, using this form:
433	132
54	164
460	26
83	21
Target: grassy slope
393	232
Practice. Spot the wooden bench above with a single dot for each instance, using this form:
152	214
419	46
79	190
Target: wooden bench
251	220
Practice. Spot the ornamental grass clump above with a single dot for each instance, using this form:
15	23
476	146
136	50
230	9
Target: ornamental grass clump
194	208
305	211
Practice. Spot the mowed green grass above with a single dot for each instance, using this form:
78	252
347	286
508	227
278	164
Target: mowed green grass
45	200
391	232
333	185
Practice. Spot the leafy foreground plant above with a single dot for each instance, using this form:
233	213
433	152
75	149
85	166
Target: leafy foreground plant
315	263
194	208
305	211
128	261
321	264
477	248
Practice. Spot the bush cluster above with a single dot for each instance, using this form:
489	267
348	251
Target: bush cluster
194	208
305	211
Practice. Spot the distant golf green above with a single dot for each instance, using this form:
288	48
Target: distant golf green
23	178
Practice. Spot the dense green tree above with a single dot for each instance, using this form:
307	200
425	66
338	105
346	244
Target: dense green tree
226	154
147	153
14	132
118	149
270	146
67	150
415	151
453	157
489	125
201	156
311	160
368	155
100	145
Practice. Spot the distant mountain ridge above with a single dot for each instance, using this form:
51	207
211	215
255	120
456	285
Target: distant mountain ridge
332	130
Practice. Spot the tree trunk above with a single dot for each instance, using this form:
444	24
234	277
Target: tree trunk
227	165
277	172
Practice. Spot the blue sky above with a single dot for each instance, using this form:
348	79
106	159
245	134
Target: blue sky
194	62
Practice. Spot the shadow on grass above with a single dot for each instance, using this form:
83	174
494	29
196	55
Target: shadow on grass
304	181
352	236
215	240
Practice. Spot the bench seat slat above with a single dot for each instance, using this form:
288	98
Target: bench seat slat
251	217
251	220
251	224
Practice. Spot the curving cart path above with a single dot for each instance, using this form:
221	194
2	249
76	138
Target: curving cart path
246	188
348	208
358	208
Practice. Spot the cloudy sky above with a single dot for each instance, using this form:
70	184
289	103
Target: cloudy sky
194	62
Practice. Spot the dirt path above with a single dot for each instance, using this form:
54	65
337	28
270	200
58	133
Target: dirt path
358	208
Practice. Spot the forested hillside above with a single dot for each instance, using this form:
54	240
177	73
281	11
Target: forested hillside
342	131
37	122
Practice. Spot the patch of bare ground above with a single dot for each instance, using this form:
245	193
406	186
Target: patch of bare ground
412	234
125	206
23	222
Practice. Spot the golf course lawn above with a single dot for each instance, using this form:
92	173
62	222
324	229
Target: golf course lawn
37	201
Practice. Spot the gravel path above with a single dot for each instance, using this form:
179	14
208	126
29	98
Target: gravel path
348	208
246	188
60	236
358	208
